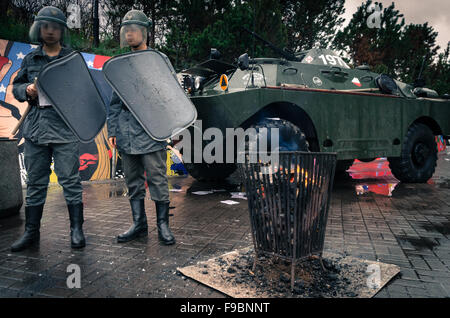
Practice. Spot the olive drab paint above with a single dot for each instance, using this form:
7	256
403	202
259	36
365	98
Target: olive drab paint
340	109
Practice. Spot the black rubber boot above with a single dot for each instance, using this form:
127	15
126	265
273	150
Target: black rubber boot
33	215
76	225
162	221
139	227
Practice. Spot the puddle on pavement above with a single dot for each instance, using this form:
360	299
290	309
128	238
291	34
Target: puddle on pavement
175	187
102	191
385	189
119	192
440	183
419	243
442	228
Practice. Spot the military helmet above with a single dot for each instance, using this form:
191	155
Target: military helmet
51	14
137	20
136	17
45	15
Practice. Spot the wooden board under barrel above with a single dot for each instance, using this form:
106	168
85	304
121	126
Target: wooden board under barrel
214	273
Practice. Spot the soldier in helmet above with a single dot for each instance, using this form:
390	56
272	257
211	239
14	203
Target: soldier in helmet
140	153
46	135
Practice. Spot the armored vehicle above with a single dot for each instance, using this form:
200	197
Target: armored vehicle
320	104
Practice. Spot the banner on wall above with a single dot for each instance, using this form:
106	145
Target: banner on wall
95	157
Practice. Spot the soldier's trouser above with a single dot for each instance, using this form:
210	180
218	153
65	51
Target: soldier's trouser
38	159
155	166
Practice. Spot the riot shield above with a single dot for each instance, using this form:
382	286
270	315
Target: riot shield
70	89
146	82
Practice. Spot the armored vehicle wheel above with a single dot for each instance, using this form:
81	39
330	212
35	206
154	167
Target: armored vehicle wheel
417	161
291	138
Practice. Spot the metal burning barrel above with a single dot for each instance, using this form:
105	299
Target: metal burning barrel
288	199
11	198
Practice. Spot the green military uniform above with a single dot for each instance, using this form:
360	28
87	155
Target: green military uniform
140	154
46	136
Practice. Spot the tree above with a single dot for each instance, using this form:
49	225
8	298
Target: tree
377	47
4	6
438	75
187	39
192	35
418	46
160	12
311	23
395	48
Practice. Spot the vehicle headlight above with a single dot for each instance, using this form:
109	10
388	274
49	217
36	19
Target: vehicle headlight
198	83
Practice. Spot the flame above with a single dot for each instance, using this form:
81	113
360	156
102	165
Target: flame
303	172
300	172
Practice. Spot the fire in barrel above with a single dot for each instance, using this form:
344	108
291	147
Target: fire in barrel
288	202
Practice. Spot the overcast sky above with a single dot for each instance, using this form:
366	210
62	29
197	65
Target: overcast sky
435	12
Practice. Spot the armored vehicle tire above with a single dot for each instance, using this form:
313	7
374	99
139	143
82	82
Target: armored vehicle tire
293	140
291	137
418	158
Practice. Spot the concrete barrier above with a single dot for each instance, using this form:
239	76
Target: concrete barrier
11	198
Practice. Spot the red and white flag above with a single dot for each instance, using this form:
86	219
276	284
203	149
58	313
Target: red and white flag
356	82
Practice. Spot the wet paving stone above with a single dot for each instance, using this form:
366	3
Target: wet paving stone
406	224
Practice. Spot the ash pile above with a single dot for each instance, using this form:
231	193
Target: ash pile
341	279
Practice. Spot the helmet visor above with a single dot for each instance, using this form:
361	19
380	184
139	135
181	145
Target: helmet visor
48	31
132	35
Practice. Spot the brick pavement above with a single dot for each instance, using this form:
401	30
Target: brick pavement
410	229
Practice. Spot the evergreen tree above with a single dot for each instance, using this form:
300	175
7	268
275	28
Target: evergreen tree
418	46
311	23
191	37
377	47
395	48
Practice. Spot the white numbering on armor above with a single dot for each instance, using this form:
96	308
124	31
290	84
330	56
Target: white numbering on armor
332	60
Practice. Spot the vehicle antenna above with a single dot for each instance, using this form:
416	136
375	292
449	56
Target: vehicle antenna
254	43
420	82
